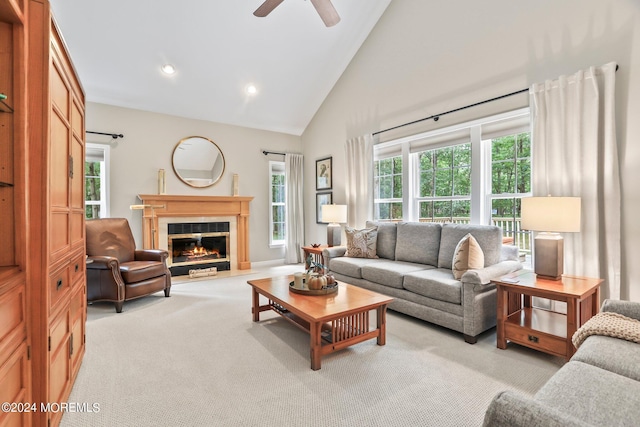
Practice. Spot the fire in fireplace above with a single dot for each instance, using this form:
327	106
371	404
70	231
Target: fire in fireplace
198	245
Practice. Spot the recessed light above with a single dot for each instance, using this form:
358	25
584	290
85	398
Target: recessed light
168	69
252	90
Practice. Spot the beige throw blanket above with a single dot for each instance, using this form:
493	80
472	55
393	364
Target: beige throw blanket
608	324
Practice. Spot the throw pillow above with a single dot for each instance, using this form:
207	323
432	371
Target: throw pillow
361	243
467	256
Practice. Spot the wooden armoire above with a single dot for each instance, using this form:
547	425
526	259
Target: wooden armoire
42	257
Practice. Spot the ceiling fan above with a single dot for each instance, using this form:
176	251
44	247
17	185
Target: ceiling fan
324	8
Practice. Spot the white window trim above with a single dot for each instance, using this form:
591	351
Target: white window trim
272	166
104	179
480	163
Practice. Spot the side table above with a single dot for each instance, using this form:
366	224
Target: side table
316	252
539	328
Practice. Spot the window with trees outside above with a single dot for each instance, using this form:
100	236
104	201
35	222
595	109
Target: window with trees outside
96	182
277	219
474	172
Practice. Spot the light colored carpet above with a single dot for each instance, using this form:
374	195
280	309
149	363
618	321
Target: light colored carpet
197	359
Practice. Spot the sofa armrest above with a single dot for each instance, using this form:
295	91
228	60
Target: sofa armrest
509	253
103	263
483	276
332	252
151	255
509	409
626	308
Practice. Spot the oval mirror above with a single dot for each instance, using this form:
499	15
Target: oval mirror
198	161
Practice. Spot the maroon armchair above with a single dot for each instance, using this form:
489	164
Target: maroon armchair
119	272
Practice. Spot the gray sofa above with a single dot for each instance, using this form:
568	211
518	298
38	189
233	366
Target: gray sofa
599	386
414	266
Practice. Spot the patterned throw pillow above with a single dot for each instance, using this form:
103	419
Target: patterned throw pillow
467	256
361	243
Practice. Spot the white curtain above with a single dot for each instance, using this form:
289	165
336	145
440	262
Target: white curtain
359	180
294	234
574	153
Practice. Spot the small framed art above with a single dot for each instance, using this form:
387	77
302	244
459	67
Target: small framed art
322	199
324	172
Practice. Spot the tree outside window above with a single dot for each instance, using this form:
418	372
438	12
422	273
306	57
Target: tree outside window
278	203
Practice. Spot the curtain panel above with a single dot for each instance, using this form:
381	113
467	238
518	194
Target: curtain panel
359	180
574	153
294	213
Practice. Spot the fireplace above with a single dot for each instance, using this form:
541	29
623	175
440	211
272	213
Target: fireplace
199	245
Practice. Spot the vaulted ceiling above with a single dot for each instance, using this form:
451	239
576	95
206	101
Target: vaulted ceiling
218	48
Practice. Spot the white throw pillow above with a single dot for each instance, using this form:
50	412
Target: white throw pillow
467	256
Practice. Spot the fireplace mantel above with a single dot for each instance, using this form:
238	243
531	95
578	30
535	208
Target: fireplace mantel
198	206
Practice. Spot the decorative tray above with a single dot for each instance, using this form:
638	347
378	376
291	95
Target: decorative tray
329	289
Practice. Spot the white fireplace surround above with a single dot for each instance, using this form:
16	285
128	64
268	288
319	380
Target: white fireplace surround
163	232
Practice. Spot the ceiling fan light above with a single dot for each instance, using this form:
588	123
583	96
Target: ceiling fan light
251	89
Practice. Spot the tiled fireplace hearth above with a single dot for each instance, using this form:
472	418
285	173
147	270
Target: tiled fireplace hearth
208	230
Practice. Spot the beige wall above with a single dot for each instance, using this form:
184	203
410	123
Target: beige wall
149	139
423	58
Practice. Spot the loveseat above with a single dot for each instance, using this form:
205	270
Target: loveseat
413	264
599	386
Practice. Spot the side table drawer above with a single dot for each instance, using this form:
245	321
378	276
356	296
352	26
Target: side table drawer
536	339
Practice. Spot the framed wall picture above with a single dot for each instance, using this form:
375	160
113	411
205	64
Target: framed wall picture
322	199
324	171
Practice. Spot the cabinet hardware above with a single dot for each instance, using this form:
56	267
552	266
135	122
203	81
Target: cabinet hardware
70	346
71	167
59	284
77	267
533	338
28	352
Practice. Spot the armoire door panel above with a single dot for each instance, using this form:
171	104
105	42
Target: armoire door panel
14	377
59	159
59	92
13	329
77	176
59	242
77	229
59	373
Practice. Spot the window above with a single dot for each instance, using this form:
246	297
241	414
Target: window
96	182
510	181
444	188
388	188
474	172
277	219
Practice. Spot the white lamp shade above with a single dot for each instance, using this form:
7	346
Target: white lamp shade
334	213
551	214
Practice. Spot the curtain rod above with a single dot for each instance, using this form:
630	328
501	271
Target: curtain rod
266	153
112	135
436	117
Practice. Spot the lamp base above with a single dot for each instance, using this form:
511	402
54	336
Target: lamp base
549	256
334	234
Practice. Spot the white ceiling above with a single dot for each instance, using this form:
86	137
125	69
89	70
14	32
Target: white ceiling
218	47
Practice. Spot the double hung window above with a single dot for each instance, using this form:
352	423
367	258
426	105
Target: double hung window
96	168
277	203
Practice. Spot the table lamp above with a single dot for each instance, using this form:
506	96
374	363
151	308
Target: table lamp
334	214
550	216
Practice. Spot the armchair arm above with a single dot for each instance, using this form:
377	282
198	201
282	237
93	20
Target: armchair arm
332	252
509	409
483	276
151	255
626	308
103	263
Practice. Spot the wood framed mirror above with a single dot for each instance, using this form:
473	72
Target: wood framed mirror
198	161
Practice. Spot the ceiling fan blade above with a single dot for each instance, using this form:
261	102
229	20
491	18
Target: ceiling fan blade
327	12
266	8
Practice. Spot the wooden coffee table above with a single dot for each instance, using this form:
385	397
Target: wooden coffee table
335	321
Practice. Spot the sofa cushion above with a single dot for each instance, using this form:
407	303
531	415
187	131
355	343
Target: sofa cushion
390	273
468	255
593	395
437	283
361	243
613	354
137	271
387	234
419	242
351	267
489	238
